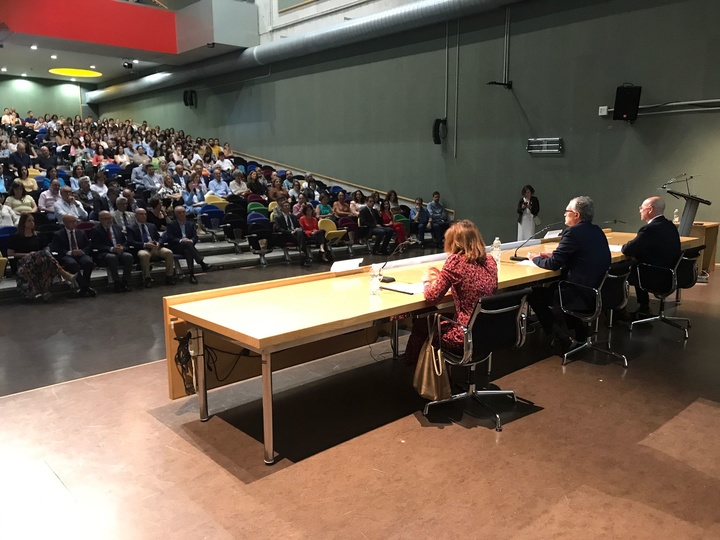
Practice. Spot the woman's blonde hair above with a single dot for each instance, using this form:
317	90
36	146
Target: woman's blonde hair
463	237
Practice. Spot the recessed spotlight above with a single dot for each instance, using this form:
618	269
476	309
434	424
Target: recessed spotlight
92	67
33	47
73	80
23	74
136	61
53	56
4	69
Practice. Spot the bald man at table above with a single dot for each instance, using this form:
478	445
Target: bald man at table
657	243
583	255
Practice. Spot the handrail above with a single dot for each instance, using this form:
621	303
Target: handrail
323	177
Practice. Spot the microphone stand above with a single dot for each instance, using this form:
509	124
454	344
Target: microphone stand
541	231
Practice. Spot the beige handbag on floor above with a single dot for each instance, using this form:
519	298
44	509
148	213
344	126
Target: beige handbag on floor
431	379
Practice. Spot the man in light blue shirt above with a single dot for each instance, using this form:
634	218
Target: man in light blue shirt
419	218
217	185
439	222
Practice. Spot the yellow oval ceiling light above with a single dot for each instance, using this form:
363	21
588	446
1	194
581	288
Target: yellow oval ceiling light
75	72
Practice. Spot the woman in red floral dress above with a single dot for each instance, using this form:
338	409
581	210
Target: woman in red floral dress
468	273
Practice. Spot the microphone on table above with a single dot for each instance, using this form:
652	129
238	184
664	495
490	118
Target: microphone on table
613	222
541	231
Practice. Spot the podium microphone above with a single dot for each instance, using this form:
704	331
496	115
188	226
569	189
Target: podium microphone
541	231
613	222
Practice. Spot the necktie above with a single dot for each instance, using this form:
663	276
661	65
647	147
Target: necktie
145	235
287	220
125	219
182	230
111	234
73	241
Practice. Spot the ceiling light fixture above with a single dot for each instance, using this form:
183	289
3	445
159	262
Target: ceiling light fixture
75	72
53	56
23	74
33	47
136	61
73	80
92	67
3	69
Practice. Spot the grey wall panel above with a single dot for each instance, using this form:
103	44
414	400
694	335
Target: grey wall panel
364	113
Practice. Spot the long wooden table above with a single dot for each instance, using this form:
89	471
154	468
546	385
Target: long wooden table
273	317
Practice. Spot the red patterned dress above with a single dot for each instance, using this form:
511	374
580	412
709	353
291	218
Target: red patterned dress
468	282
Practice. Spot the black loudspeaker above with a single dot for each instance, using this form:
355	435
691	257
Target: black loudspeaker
439	130
627	103
190	98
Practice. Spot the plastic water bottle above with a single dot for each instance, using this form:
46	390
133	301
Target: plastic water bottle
375	279
676	217
497	250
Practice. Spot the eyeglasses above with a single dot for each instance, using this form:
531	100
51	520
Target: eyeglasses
567	211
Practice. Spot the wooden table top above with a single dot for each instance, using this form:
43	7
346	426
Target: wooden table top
277	314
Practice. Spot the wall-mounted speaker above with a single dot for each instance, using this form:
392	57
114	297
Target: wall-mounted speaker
627	103
439	130
190	98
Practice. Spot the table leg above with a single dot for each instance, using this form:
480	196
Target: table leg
394	339
267	404
199	368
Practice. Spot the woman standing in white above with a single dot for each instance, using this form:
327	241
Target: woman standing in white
528	209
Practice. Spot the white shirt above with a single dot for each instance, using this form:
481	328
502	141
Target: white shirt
48	199
61	208
8	218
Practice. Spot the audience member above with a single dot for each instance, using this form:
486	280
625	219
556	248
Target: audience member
287	225
314	234
29	183
68	205
19	200
46	160
36	267
388	221
19	158
145	238
111	251
122	216
419	219
238	186
439	220
370	218
48	198
217	185
8	217
528	208
181	239
73	253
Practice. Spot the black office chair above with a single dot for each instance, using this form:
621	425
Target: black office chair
615	290
687	271
585	304
661	282
498	322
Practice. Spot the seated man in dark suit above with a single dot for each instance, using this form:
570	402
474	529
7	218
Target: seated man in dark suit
370	218
583	255
145	238
111	248
656	243
181	239
73	253
287	226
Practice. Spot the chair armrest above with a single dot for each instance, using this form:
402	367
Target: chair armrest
585	293
440	318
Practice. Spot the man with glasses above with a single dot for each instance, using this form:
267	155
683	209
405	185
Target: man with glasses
583	255
656	243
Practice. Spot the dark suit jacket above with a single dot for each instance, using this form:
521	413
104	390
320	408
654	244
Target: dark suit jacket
534	207
61	245
174	235
369	217
656	243
281	224
583	255
134	235
101	242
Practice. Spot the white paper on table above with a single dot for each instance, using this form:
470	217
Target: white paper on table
526	262
615	248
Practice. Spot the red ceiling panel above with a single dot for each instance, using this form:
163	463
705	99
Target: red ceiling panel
106	22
